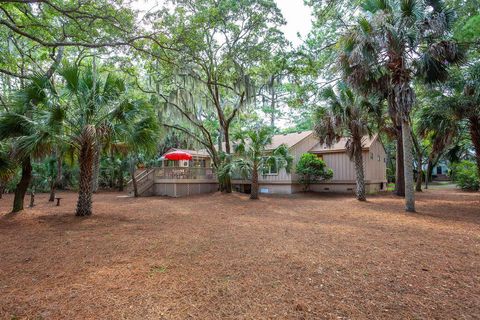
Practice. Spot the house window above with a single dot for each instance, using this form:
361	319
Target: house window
378	157
198	163
320	156
170	163
270	169
371	155
385	160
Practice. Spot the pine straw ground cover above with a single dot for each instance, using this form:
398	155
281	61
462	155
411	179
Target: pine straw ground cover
225	257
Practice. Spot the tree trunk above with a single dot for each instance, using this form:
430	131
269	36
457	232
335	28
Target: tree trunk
96	166
272	103
475	135
134	179
112	172
428	172
359	174
418	186
2	189
408	167
84	203
254	190
121	182
399	170
418	151
228	181
57	179
32	197
22	186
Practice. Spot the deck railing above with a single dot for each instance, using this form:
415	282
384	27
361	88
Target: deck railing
184	173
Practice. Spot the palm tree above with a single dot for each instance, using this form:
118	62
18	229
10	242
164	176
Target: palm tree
346	115
469	108
401	38
7	167
92	102
253	156
32	126
437	124
139	134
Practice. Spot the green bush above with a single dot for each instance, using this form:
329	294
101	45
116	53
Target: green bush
311	168
465	175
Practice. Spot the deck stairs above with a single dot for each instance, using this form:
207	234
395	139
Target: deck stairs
145	180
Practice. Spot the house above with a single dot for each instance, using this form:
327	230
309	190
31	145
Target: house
336	158
181	178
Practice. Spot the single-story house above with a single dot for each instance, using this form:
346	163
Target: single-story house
181	178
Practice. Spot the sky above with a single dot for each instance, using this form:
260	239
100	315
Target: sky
297	15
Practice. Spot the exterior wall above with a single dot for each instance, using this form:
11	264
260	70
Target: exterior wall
181	189
343	168
276	188
296	152
375	165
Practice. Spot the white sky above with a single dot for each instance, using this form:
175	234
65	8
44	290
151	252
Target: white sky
297	15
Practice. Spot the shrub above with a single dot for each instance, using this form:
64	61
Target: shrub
311	168
465	175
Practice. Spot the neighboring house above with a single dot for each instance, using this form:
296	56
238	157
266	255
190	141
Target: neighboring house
440	171
196	176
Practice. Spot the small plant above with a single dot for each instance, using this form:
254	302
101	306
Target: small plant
465	175
311	169
158	269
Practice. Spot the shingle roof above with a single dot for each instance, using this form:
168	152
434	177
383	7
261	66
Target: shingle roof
289	139
339	146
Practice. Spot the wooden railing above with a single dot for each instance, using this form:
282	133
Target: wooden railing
144	181
184	173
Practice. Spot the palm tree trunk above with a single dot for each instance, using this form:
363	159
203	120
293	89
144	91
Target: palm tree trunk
22	186
408	167
418	150
254	190
359	174
121	182
57	179
399	170
84	203
96	166
475	135
112	172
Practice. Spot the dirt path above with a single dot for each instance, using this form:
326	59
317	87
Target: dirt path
226	257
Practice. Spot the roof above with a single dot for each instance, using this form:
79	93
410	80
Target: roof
288	139
194	153
339	146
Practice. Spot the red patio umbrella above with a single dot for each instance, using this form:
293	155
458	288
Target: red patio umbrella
178	155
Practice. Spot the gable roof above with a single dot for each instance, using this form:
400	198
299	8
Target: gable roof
339	146
288	139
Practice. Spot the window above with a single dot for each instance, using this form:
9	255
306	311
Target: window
198	163
270	169
378	157
371	155
170	163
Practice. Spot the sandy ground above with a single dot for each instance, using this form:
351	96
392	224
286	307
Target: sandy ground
221	256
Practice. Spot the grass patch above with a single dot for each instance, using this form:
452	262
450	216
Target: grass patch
157	269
